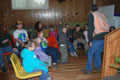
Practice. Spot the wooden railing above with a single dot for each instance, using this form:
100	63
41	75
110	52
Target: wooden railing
111	49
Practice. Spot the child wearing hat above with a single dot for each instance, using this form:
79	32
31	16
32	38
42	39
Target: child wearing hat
20	34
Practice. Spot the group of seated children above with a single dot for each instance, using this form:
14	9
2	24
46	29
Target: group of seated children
37	55
45	50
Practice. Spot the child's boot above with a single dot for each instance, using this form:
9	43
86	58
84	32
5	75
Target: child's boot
3	68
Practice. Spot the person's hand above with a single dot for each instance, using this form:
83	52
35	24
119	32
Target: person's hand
15	49
70	36
90	44
23	44
6	40
60	22
38	44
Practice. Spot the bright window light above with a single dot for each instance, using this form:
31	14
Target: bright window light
39	1
29	4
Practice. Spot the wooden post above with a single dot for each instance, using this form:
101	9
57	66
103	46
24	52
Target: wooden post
94	1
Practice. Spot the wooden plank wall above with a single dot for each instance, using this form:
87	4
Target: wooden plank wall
68	11
111	49
1	15
117	7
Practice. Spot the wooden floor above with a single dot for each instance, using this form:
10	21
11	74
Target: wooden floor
69	71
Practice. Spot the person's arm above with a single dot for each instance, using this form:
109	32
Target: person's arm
20	42
12	43
15	34
42	63
44	39
27	38
11	40
70	33
74	35
37	63
60	28
90	27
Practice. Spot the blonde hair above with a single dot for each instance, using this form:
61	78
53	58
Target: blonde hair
36	41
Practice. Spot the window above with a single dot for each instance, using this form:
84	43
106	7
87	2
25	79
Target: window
29	4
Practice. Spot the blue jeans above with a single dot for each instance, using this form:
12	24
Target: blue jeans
4	50
71	47
54	53
44	75
96	49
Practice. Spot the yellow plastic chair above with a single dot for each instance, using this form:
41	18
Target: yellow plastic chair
19	71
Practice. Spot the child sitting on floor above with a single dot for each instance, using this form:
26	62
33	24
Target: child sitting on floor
31	63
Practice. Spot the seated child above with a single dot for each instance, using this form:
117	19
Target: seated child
79	38
72	50
53	52
46	31
31	63
85	33
70	40
53	32
42	56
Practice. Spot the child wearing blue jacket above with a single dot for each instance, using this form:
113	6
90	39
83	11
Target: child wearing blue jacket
31	63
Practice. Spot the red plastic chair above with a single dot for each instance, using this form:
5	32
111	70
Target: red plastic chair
52	42
8	53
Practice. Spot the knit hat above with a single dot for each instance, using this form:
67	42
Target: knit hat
94	8
19	22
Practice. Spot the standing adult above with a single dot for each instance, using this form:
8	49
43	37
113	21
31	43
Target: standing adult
97	28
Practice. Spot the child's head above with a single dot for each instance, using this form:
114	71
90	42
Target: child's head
77	28
111	28
67	25
40	33
52	29
94	8
38	25
29	45
3	30
60	22
19	24
86	27
64	29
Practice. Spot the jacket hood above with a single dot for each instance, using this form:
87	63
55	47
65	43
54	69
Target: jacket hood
25	52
